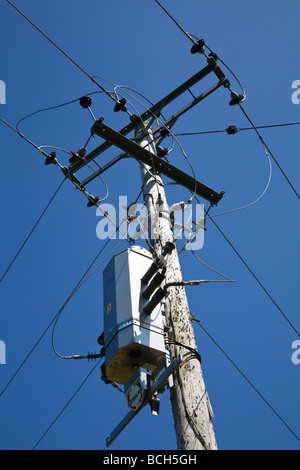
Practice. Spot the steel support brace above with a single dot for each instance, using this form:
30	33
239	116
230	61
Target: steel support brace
156	386
156	109
145	156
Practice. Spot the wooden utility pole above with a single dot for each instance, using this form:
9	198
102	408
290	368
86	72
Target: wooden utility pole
191	407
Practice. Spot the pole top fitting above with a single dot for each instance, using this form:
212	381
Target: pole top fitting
236	98
198	47
120	105
51	158
85	102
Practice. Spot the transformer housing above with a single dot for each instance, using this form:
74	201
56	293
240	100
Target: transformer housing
131	337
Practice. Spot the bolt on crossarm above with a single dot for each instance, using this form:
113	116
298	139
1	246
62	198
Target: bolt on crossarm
191	407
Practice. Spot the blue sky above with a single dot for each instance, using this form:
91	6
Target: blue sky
140	47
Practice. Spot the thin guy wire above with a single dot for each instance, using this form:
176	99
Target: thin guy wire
177	24
263	142
110	96
243	259
45	331
252	273
61	50
245	265
242	207
46	155
77	288
53	107
256	278
169	130
23	137
212	269
31	232
89	166
244	376
239	129
67	404
257	199
254	127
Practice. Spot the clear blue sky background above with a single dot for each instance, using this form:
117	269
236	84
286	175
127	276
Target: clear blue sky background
135	44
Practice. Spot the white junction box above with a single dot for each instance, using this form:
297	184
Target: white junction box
131	337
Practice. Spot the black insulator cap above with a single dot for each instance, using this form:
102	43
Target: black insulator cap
168	248
101	339
50	159
134	118
231	130
94	201
198	47
160	263
213	55
120	105
159	295
236	98
103	374
155	283
164	132
85	101
150	273
162	152
76	156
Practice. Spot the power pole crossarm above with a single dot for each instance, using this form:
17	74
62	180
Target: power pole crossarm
190	404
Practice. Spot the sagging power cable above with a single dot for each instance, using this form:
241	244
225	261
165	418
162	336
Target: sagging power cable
235	130
255	277
67	404
257	199
273	157
62	51
52	159
49	108
235	98
245	377
54	318
32	230
58	315
23	137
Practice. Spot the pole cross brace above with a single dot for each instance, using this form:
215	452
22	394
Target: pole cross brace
156	109
145	156
157	386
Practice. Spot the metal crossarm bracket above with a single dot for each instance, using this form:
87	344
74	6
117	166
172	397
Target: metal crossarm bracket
157	386
149	158
156	109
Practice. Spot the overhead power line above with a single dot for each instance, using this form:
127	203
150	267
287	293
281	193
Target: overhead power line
255	277
74	292
79	283
238	129
31	231
66	55
223	352
40	150
62	51
192	38
250	270
23	137
67	404
264	143
176	22
53	107
244	376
